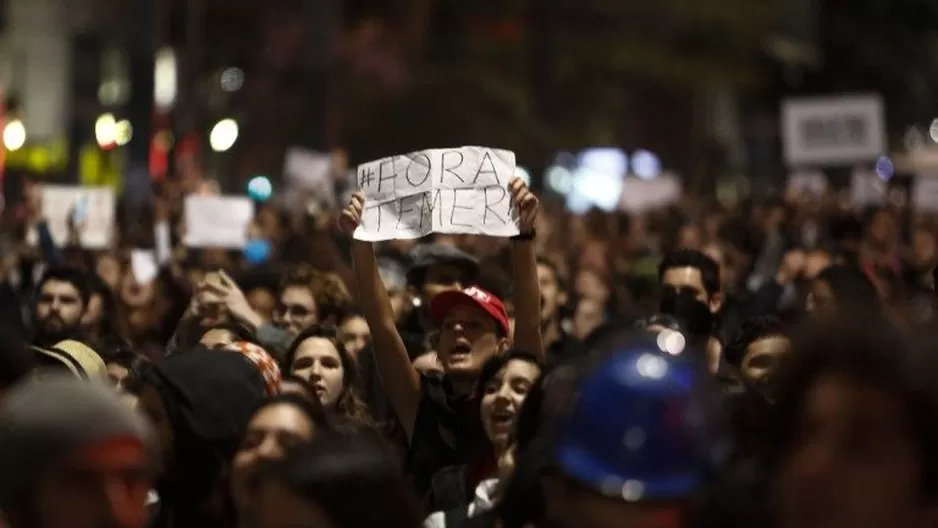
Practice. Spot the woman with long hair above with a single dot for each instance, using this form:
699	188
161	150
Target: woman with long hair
318	356
466	490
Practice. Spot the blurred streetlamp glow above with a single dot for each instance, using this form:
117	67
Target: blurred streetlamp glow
105	130
14	135
232	79
123	132
523	173
165	85
223	135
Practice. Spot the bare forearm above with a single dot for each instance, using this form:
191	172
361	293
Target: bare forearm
400	379
527	298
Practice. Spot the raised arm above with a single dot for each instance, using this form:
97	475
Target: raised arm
398	375
527	292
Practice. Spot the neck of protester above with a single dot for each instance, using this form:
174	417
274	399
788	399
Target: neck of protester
463	387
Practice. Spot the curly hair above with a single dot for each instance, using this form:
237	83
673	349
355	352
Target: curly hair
333	300
350	403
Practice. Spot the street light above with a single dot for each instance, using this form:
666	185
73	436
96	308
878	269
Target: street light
123	132
105	131
223	135
14	135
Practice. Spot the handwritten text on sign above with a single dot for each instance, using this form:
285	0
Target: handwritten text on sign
459	190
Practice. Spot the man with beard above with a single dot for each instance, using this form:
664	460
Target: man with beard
61	300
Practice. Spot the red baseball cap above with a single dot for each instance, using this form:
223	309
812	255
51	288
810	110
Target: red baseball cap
472	296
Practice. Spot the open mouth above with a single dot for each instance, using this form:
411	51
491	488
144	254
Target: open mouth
461	349
502	418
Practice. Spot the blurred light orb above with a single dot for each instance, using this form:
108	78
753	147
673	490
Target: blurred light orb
609	161
651	366
223	135
260	188
232	79
933	131
523	173
671	342
646	165
105	130
123	132
14	135
885	168
592	188
559	179
165	79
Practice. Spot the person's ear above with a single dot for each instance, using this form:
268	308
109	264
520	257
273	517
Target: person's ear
716	302
503	345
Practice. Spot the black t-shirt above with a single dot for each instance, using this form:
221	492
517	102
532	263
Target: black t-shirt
447	432
564	350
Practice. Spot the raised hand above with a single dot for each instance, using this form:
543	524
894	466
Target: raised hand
351	216
526	202
233	298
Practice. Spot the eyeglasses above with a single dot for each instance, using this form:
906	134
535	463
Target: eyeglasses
294	310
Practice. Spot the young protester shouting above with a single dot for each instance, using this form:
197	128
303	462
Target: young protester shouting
474	326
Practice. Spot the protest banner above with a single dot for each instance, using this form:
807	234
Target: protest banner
455	191
91	209
833	131
217	221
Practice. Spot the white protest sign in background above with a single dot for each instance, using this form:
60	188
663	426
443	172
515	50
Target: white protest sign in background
840	130
217	221
311	171
867	188
143	265
640	195
925	192
96	211
459	190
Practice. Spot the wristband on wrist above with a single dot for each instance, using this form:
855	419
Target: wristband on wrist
524	237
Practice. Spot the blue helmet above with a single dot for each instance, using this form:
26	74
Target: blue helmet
645	424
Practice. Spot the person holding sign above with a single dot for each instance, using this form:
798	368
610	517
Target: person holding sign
436	413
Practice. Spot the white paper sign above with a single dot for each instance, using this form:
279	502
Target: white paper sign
143	265
311	171
95	208
639	195
867	188
925	192
217	221
840	130
458	190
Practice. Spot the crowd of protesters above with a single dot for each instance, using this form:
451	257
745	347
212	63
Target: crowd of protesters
767	364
